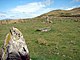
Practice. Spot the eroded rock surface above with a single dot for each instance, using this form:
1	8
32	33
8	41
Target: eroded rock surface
15	47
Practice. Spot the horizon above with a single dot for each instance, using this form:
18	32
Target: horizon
21	9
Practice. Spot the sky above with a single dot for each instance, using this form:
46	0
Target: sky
20	9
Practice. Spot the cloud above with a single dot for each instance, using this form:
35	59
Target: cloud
48	2
31	7
29	14
77	0
28	10
2	14
69	8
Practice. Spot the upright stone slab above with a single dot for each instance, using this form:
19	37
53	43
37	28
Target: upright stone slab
15	47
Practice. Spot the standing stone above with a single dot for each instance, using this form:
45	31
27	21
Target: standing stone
15	47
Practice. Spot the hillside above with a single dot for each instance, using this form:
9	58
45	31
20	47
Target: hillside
63	13
62	42
55	13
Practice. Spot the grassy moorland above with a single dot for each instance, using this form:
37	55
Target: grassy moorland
62	42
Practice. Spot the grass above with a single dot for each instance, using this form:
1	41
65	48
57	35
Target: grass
61	43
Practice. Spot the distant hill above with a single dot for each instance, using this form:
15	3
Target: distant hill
75	12
55	13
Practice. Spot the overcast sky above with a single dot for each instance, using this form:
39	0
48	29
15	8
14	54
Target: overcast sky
14	9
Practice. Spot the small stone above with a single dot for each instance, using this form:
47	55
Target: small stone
64	55
57	53
44	29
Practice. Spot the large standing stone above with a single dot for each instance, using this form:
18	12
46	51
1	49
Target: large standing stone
15	47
